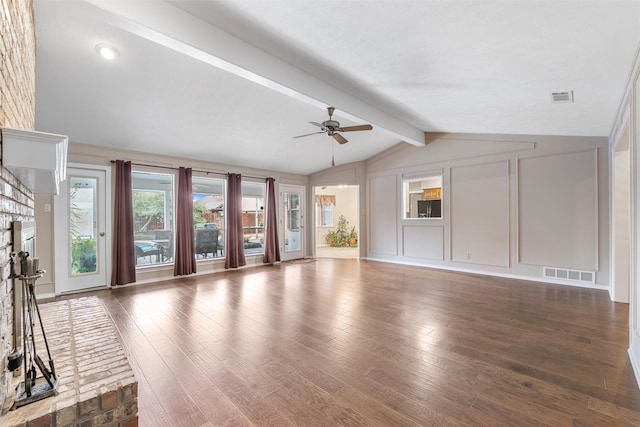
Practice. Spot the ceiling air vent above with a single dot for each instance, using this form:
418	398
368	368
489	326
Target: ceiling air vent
562	97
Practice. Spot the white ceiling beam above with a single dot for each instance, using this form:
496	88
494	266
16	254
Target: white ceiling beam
173	28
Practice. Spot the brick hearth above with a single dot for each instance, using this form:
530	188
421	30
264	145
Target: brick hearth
97	386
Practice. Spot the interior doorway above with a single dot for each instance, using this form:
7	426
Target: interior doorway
621	212
336	221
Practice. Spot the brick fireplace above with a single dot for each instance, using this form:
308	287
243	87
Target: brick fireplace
17	110
97	385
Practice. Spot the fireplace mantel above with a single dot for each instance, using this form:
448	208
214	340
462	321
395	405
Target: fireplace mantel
37	159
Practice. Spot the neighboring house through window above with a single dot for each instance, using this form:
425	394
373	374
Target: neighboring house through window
208	216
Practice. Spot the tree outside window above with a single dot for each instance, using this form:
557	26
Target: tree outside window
153	215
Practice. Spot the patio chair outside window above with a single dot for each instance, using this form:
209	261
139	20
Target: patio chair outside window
207	242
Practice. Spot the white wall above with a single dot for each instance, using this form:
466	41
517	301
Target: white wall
621	225
44	224
383	195
634	152
558	210
479	211
511	205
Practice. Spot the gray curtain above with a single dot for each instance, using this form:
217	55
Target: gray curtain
185	254
271	246
234	246
124	250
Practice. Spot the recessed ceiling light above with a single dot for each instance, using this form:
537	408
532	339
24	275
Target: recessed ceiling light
106	51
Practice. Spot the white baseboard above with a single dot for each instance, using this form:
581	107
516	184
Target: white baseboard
46	295
635	364
491	273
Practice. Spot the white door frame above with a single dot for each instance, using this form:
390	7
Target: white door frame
61	213
290	188
620	211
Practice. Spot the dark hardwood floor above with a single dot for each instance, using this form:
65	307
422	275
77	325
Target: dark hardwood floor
347	342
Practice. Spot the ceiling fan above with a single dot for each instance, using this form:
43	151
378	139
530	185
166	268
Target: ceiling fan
332	127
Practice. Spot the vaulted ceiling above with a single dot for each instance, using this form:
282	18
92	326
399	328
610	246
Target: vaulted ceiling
233	81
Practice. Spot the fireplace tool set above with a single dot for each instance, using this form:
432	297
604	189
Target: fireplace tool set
33	388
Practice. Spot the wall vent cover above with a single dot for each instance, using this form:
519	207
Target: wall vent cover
568	274
562	97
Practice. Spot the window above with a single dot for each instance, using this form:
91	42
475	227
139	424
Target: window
292	218
292	209
422	197
324	215
253	216
208	216
153	217
324	210
83	220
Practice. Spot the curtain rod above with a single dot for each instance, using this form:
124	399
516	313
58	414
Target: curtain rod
194	170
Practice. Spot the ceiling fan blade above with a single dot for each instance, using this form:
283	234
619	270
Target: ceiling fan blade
354	128
317	124
307	134
339	138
